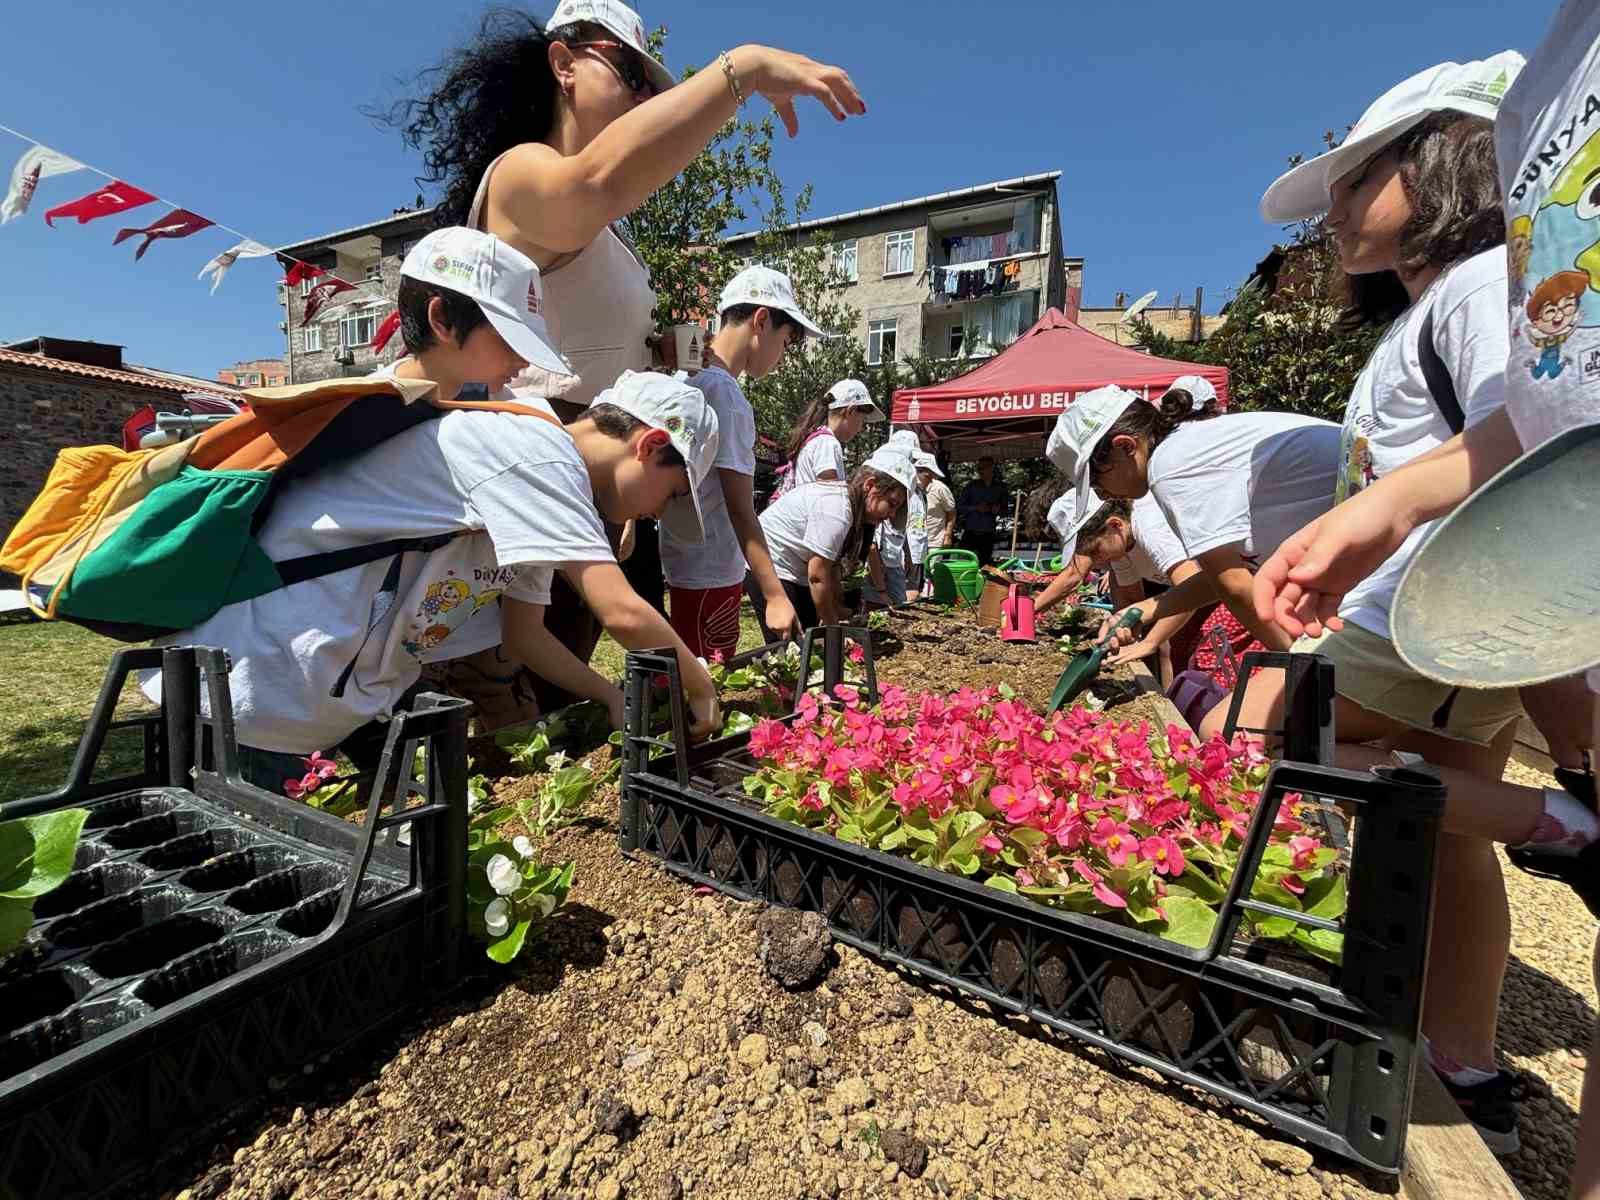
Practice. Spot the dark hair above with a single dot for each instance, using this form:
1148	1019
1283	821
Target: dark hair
740	314
494	93
1149	421
814	416
1096	526
1036	511
461	314
614	422
857	540
1211	408
1448	171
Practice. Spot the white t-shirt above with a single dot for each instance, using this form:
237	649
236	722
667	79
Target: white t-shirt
719	561
811	520
941	503
917	526
1156	549
1547	141
517	482
1250	479
824	452
891	543
1392	417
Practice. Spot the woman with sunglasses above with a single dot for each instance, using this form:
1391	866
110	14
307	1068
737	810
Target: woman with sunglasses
545	135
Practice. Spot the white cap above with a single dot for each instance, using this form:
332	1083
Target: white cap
1079	430
1200	390
621	21
503	281
667	403
905	441
768	288
852	393
896	464
1473	88
1067	521
924	461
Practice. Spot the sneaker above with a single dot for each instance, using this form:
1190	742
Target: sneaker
1579	782
1491	1106
1580	872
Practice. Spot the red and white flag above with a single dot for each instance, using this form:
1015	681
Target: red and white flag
299	272
380	339
179	223
115	197
36	163
319	296
218	266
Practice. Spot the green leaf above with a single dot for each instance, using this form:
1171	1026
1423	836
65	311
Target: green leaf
1324	943
1326	897
1202	885
1001	883
16	855
16	918
508	947
1190	922
54	837
1271	927
894	839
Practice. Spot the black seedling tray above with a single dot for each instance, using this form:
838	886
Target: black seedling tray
213	936
1324	1054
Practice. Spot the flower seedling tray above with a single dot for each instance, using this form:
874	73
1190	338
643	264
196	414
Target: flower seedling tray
213	937
1326	1055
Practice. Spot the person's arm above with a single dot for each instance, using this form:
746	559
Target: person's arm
949	525
1235	585
1157	633
528	640
875	572
1301	586
1064	585
561	202
827	593
632	622
739	490
1200	588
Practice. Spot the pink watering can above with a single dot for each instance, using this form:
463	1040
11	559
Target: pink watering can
1016	616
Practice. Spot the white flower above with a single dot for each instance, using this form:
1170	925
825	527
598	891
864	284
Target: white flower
497	918
522	846
557	760
504	876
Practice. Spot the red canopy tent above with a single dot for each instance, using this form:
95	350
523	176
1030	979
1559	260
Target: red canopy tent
1007	407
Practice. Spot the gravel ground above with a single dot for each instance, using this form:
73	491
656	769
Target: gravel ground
641	1051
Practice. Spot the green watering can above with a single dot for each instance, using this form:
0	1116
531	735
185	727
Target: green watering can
956	576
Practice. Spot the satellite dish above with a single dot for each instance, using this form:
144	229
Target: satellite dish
1137	307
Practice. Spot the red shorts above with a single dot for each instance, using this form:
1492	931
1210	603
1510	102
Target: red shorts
707	619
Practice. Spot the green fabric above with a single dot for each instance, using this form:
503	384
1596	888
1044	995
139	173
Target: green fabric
186	552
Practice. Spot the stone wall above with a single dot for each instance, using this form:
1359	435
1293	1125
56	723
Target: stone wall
41	412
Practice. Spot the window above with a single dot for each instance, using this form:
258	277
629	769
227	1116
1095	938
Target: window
305	287
844	260
358	328
373	272
312	339
956	336
881	337
899	253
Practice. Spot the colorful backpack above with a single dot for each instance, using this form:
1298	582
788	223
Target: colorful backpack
135	544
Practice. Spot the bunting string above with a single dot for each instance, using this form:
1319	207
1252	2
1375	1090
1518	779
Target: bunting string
117	196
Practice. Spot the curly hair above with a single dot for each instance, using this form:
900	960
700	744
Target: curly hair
1448	171
494	93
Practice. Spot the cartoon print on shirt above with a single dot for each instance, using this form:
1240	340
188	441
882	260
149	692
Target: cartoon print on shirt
1553	312
1357	468
1519	252
450	603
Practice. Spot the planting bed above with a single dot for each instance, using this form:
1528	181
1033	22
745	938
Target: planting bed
209	940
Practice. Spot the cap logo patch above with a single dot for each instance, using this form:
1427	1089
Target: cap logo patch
533	297
673	425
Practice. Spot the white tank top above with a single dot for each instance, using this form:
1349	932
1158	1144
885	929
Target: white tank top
599	307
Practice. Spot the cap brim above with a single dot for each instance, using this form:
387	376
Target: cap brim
1085	511
684	521
659	75
1306	189
526	343
811	327
874	416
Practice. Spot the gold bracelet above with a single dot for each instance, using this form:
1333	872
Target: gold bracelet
732	77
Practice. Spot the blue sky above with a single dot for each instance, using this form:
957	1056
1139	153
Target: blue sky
1166	119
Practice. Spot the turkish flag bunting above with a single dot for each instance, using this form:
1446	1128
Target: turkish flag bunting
115	197
179	223
320	295
381	338
301	271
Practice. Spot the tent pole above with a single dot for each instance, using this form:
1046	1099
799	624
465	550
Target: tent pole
1016	525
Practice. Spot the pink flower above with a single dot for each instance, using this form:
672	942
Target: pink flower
806	709
323	768
812	799
1102	892
1303	848
1115	839
1163	854
299	789
1292	885
991	843
717	657
1024	877
857	653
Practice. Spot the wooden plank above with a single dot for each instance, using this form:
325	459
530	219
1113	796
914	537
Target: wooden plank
1445	1157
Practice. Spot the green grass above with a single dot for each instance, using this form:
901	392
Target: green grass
51	676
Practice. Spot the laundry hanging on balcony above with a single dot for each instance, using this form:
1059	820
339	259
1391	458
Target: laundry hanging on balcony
958	250
950	284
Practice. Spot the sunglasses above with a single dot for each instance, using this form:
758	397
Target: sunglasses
630	69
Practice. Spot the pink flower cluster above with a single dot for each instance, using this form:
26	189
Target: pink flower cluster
318	771
1079	810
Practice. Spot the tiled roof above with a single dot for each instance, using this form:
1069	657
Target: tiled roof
134	377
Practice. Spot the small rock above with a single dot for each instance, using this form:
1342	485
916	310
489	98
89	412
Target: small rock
898	1005
907	1151
850	1095
815	1033
613	1116
527	1152
1291	1160
635	1059
753	1050
794	946
328	1142
610	1189
671	1187
798	1073
560	1161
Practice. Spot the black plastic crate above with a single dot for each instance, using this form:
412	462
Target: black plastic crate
1326	1055
214	936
